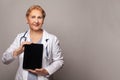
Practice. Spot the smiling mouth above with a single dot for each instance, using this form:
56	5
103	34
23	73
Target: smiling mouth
36	24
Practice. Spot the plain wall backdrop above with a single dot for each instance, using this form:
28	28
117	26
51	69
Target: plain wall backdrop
89	32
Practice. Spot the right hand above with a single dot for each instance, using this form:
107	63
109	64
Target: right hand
20	49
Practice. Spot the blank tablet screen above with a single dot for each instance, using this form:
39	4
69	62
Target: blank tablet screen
32	56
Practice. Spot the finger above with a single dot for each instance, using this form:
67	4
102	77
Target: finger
32	71
44	71
38	70
26	42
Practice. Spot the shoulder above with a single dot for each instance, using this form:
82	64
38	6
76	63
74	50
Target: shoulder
20	34
50	36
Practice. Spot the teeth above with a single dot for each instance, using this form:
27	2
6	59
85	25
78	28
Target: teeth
35	24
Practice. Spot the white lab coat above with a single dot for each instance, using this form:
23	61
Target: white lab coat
52	63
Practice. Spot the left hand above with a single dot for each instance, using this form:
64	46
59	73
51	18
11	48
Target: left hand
41	71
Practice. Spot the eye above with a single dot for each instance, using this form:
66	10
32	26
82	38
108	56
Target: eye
32	16
40	17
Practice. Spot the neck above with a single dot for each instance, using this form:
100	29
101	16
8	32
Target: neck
32	32
35	36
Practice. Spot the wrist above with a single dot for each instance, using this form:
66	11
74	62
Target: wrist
16	53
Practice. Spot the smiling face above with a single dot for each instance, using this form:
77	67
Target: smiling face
35	20
35	17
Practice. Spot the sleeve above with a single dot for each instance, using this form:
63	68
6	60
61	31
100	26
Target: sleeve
57	57
8	54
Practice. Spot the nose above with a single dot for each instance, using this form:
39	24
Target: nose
36	20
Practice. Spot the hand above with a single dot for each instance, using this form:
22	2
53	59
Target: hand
41	71
20	49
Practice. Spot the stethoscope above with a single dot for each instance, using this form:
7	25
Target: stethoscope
25	38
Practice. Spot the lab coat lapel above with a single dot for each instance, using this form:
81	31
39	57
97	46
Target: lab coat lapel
28	36
45	39
45	43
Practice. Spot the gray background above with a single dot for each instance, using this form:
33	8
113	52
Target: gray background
89	31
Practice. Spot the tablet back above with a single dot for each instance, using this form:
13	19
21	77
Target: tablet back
32	56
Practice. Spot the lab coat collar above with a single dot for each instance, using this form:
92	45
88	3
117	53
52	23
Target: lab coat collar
45	37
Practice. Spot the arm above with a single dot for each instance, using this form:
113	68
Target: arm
8	54
57	57
14	50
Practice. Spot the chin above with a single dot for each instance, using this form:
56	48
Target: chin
37	29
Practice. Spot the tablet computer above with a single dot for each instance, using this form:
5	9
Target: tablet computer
32	56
